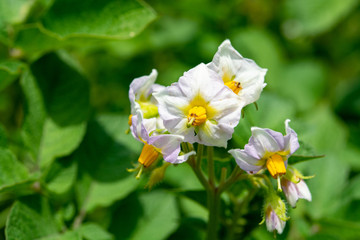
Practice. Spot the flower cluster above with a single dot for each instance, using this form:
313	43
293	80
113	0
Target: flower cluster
204	106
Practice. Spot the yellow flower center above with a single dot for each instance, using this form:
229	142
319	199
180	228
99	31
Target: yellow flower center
130	120
276	166
148	155
196	116
234	86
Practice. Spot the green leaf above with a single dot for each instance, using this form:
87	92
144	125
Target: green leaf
32	42
310	17
197	196
61	176
11	171
92	231
35	113
272	113
30	218
303	81
3	138
339	229
113	191
118	19
14	11
157	217
174	176
322	130
69	235
9	71
54	134
57	109
299	158
103	157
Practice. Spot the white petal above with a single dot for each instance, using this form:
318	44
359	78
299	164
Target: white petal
200	83
211	134
290	191
200	80
266	140
183	158
303	190
228	61
247	162
227	106
142	87
291	139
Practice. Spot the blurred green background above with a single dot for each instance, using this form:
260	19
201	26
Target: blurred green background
65	70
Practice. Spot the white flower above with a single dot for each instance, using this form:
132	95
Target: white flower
243	76
294	187
200	108
267	149
140	95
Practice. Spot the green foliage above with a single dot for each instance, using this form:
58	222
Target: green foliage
101	19
9	71
11	171
30	218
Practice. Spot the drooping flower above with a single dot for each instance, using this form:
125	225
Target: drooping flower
156	145
200	108
267	149
243	76
294	187
141	98
275	214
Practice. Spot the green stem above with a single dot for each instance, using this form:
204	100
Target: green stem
195	164
211	171
235	176
199	154
214	213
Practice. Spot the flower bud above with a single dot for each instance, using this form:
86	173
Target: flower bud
294	187
275	214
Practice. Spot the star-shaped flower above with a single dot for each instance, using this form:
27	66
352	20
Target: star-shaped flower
200	108
243	76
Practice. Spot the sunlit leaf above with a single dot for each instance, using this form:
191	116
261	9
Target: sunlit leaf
113	19
61	176
9	71
58	105
11	171
30	218
104	157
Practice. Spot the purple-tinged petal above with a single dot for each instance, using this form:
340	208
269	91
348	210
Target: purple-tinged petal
266	141
168	144
289	189
247	162
140	127
291	139
295	191
274	222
